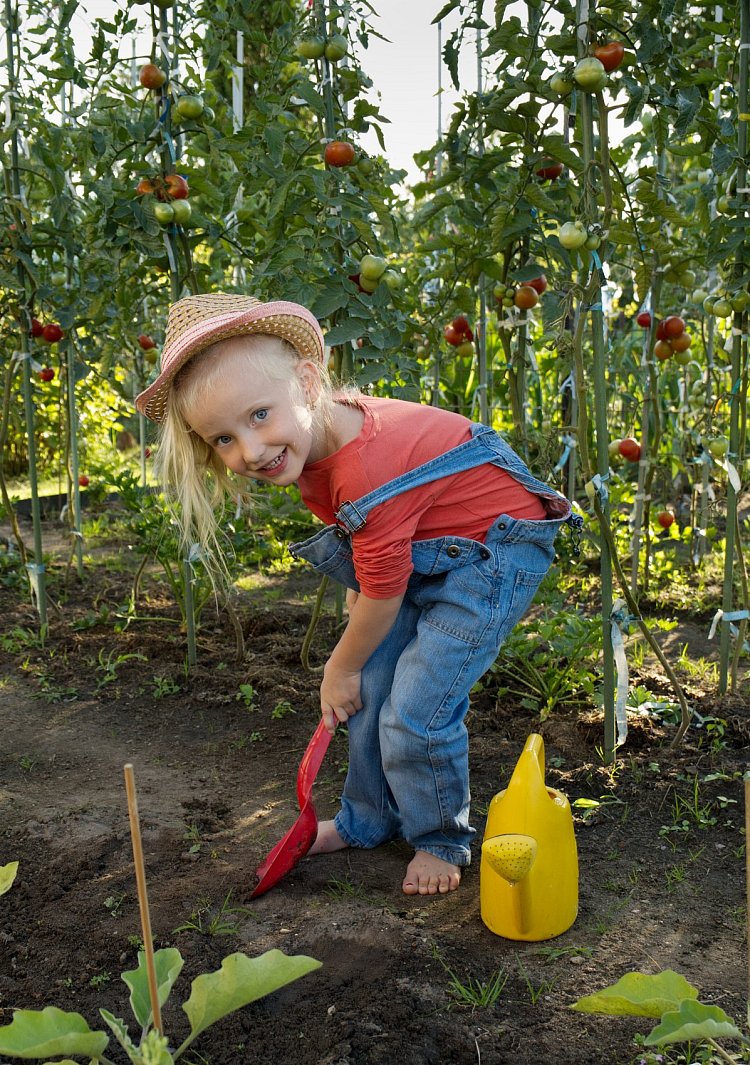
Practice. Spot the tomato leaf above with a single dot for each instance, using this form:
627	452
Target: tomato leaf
693	1020
639	995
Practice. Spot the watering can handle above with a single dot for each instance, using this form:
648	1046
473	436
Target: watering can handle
535	745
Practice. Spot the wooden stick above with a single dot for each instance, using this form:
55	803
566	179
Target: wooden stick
746	779
140	879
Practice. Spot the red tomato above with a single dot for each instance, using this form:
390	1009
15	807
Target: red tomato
610	55
538	283
83	481
453	336
550	170
146	341
673	326
144	186
177	187
461	325
644	319
630	449
52	333
36	327
665	519
681	342
339	153
47	374
151	77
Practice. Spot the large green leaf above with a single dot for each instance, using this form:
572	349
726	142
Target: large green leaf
639	995
693	1020
38	1033
239	981
168	964
7	876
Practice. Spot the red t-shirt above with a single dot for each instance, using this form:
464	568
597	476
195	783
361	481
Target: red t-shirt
396	437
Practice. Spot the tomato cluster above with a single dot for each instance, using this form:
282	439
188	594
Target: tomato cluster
459	335
51	332
672	339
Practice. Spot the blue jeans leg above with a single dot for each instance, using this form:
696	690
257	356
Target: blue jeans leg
369	814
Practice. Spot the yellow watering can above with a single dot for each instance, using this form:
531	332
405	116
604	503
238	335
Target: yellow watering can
528	878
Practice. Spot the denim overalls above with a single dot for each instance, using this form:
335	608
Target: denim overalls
408	746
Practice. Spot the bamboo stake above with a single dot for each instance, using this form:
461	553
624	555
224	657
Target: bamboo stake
746	779
140	879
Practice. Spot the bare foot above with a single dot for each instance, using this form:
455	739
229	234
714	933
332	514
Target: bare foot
327	839
426	874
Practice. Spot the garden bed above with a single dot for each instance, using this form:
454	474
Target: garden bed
215	755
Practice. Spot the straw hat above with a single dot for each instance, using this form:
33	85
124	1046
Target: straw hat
197	322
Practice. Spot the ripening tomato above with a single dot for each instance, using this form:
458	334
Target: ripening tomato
339	153
453	336
673	326
151	76
147	342
526	297
538	283
610	55
52	333
461	325
663	350
550	170
177	187
36	327
665	518
144	187
630	449
681	342
644	319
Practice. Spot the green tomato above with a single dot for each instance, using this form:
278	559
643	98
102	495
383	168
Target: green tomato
393	279
311	48
560	85
181	211
699	295
336	48
590	74
722	205
164	212
369	284
740	300
718	447
58	278
708	304
722	308
572	234
703	177
593	241
189	106
687	278
372	267
683	357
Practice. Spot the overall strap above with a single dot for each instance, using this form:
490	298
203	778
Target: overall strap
474	452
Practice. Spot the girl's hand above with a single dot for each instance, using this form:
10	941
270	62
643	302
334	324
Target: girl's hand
339	695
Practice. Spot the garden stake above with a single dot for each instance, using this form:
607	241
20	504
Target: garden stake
140	879
747	871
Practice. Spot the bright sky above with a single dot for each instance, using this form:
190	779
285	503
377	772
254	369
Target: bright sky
405	71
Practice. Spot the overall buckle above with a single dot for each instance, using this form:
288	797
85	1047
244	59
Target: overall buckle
350	516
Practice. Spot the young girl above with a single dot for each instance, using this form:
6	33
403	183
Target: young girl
436	527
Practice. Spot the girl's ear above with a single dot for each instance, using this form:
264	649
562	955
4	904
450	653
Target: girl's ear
308	375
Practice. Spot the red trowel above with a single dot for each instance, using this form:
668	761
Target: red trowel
301	836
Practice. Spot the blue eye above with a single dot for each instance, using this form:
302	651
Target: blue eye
222	440
262	414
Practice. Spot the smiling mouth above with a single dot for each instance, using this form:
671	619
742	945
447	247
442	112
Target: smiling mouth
274	465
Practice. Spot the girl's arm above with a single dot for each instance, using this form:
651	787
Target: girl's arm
370	621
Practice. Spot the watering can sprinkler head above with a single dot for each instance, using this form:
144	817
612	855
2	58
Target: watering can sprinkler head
511	855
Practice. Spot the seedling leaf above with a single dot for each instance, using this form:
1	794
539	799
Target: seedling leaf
693	1020
7	876
168	963
121	1033
38	1033
239	981
639	995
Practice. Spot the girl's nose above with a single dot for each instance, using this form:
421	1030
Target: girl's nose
251	450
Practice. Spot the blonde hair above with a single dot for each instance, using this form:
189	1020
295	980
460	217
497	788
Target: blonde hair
195	481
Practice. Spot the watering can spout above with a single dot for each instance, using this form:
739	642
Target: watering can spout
529	866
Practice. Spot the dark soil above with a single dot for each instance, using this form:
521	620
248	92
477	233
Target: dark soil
216	789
